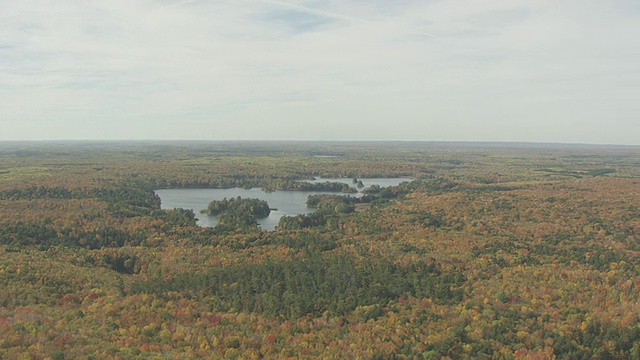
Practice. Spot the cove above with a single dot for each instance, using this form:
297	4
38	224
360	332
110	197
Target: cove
286	202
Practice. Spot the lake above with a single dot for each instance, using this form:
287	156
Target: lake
286	202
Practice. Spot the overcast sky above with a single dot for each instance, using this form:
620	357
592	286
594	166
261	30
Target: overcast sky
451	70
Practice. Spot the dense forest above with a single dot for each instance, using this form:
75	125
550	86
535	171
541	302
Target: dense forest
493	251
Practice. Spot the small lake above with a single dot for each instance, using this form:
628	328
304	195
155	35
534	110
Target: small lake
286	202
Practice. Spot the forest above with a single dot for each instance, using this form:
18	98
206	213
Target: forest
492	251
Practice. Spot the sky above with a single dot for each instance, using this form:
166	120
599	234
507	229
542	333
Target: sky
446	70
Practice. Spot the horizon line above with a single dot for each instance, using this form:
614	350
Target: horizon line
468	142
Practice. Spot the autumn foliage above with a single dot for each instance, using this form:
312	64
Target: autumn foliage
491	253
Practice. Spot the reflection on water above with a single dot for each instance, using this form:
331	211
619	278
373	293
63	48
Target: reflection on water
286	202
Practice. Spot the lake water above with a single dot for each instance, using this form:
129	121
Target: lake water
382	182
286	202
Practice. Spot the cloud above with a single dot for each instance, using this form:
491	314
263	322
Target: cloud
320	69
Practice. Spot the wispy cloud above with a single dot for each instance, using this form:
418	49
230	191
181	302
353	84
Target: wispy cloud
310	10
303	69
